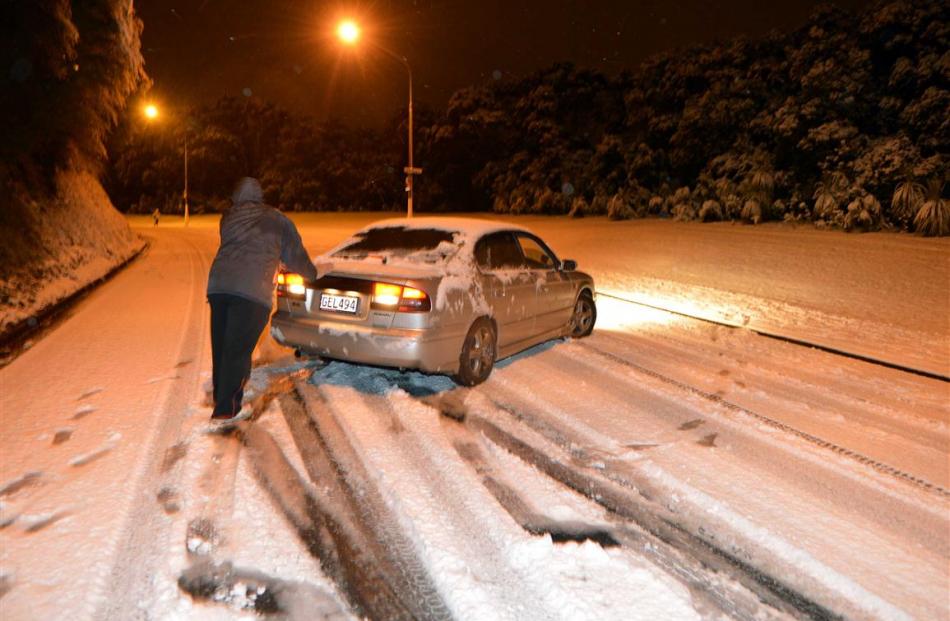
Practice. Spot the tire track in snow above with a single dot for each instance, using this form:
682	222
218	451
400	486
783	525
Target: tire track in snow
808	566
879	466
809	385
401	585
787	339
696	561
146	528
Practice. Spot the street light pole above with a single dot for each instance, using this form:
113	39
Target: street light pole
349	33
151	113
410	170
185	193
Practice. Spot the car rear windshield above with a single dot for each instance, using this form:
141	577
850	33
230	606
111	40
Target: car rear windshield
426	244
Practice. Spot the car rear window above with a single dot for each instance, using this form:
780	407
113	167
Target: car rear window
399	241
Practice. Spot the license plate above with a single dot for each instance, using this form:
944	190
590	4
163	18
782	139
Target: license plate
339	303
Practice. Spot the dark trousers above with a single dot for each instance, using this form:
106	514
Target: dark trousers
236	324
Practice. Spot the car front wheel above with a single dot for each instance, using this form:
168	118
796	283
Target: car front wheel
584	316
478	354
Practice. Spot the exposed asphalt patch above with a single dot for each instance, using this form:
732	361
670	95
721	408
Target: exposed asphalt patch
248	590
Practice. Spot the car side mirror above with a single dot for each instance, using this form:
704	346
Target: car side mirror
568	265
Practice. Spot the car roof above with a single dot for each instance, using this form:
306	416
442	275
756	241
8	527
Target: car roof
470	227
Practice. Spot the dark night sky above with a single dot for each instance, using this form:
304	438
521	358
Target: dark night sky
283	50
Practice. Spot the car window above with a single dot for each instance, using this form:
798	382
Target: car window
536	256
498	251
399	241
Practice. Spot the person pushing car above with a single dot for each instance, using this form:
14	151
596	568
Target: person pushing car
255	240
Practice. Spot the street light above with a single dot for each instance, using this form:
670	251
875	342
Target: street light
348	31
151	114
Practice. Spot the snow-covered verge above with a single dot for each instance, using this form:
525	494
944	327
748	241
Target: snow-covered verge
58	246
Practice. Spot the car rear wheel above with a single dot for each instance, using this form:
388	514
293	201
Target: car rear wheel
478	354
584	316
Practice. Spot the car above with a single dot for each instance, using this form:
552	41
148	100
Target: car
440	295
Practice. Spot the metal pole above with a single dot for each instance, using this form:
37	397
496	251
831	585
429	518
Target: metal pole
411	169
185	195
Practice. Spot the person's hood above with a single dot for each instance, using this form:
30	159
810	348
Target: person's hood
248	190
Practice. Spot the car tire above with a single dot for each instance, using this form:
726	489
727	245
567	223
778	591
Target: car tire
584	316
477	358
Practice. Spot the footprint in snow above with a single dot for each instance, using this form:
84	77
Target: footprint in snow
708	440
168	498
183	363
87	458
173	455
202	537
26	480
6	583
84	459
35	523
83	410
89	393
62	435
724	372
692	424
162	378
645	446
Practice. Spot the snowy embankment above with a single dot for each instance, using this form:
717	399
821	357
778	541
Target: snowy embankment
60	247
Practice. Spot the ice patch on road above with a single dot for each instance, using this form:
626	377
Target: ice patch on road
380	381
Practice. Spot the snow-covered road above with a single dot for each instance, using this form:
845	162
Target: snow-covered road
662	468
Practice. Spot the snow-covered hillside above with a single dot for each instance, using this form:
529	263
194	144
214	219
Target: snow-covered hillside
64	243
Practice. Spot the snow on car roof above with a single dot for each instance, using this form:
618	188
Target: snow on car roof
470	227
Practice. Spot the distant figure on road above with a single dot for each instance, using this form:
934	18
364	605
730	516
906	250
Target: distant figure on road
255	240
155	216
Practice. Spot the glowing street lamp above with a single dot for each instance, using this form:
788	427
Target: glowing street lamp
348	32
151	113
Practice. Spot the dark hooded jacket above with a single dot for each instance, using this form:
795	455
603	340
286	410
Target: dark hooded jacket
255	240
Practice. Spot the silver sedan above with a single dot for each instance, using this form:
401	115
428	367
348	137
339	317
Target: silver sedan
442	295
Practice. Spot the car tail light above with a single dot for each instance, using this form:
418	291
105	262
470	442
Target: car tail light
292	284
402	299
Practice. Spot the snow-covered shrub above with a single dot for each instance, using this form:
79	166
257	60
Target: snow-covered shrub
752	211
907	199
933	218
519	204
732	205
778	210
547	202
579	207
863	214
500	205
710	211
619	208
724	187
684	211
655	205
599	204
830	194
762	181
680	196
